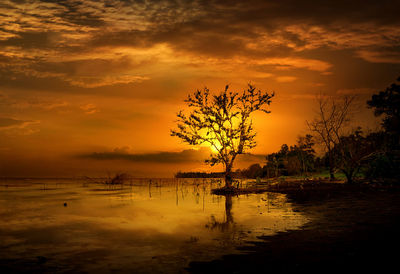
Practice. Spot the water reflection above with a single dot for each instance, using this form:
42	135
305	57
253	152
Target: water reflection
145	225
226	224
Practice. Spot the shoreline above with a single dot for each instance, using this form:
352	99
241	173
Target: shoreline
352	227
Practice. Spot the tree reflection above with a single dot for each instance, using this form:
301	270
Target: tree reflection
228	222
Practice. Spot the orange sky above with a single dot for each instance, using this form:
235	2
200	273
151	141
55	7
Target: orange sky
84	77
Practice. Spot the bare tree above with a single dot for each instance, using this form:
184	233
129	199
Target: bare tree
330	121
222	121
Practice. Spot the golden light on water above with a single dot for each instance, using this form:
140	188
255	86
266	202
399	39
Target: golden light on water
174	220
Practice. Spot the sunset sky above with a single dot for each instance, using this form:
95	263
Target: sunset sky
93	87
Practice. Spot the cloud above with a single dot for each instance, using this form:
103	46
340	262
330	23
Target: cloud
10	122
38	103
85	73
94	82
382	56
286	79
189	155
13	126
290	63
122	150
356	91
339	36
89	108
3	96
185	156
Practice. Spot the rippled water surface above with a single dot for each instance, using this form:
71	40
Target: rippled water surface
142	226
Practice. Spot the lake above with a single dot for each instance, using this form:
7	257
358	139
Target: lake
145	225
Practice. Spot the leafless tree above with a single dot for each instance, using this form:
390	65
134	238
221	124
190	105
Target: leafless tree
222	121
331	119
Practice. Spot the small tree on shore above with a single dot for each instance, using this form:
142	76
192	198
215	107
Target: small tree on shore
223	121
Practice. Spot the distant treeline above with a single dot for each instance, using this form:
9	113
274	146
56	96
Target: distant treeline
199	175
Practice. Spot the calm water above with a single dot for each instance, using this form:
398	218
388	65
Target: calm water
142	226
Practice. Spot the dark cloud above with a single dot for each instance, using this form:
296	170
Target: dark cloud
33	39
82	67
76	12
268	13
161	157
206	26
132	38
185	156
9	122
84	73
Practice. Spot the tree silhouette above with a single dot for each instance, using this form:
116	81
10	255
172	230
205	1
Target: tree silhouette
332	116
304	152
222	121
387	103
351	151
276	161
294	160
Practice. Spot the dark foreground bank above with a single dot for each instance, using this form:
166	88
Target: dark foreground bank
353	229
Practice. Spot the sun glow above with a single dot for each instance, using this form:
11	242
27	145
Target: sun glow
216	147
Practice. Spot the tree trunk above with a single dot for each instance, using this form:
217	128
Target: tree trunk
331	167
228	176
331	174
349	176
303	164
228	208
